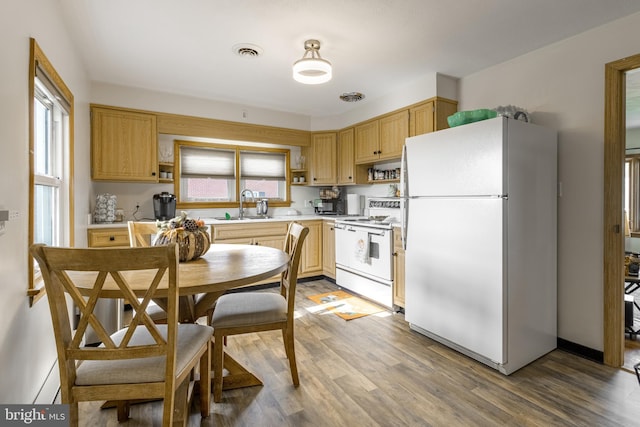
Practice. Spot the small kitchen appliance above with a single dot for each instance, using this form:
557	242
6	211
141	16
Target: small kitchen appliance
164	206
331	202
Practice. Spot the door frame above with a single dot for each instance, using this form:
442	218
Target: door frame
613	250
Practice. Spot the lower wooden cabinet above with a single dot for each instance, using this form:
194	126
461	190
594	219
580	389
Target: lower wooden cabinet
398	268
273	234
329	249
311	258
108	237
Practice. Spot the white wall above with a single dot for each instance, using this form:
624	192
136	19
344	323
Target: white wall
27	351
562	86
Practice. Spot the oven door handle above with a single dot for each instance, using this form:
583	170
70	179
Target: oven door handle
376	234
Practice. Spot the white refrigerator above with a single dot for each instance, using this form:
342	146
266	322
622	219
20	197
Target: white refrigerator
479	227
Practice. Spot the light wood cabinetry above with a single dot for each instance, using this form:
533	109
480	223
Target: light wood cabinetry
311	257
394	129
381	139
270	234
328	249
346	163
108	237
323	158
398	269
430	116
367	142
124	145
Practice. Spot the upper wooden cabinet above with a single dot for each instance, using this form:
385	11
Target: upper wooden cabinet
381	139
124	145
323	159
430	116
346	166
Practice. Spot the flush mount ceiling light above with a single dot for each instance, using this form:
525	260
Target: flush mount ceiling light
352	96
312	69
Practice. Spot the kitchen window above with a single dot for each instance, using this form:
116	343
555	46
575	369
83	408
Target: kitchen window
50	166
213	175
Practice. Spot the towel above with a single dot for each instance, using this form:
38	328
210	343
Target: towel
362	250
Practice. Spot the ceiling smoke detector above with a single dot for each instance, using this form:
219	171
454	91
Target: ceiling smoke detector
352	97
247	50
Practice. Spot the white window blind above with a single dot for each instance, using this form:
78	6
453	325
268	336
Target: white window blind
262	165
198	162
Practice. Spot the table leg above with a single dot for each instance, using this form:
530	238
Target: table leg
238	376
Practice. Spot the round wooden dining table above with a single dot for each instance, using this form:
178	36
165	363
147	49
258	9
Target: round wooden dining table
201	282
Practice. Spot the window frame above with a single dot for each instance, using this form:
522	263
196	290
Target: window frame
180	204
39	61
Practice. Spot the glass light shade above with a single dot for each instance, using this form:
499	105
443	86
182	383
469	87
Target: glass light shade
312	71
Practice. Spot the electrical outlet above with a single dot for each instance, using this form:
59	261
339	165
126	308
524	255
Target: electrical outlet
14	215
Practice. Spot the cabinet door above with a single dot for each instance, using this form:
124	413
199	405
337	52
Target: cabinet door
271	241
421	119
346	166
398	269
394	129
311	258
328	249
124	146
367	142
323	159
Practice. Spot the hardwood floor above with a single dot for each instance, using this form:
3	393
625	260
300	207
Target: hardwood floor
374	371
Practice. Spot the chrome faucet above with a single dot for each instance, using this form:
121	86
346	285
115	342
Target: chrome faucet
253	198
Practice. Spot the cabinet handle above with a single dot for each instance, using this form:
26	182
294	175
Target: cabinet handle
350	177
153	174
314	179
112	238
395	254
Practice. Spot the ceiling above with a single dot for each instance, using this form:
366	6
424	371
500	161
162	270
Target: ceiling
186	47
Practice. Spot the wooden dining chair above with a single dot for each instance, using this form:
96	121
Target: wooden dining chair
246	312
141	235
141	361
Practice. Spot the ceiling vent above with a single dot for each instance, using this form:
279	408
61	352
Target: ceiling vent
247	50
352	96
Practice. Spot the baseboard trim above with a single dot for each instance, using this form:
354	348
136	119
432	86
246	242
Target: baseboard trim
580	350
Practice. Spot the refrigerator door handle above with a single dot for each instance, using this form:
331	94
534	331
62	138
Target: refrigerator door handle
404	202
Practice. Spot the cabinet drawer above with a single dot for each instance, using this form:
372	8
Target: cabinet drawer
235	231
108	237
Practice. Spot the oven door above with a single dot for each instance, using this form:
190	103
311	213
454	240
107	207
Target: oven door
364	250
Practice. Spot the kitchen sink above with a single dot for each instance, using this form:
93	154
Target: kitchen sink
245	218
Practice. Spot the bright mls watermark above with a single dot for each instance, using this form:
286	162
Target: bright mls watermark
34	415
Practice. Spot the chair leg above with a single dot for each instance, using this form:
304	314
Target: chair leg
218	357
205	382
287	337
73	414
123	410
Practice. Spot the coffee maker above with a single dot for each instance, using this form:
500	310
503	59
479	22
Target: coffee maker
164	206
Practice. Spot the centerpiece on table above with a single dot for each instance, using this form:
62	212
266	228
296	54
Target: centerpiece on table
189	234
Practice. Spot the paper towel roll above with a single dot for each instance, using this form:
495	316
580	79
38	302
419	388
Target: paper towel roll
353	204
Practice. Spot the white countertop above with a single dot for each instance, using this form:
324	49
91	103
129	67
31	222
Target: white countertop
215	221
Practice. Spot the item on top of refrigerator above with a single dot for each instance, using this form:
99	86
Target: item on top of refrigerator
512	112
470	116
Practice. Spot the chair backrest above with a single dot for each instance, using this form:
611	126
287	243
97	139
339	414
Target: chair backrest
292	246
141	233
64	269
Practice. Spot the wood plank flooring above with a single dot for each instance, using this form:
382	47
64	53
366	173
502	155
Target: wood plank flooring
374	371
